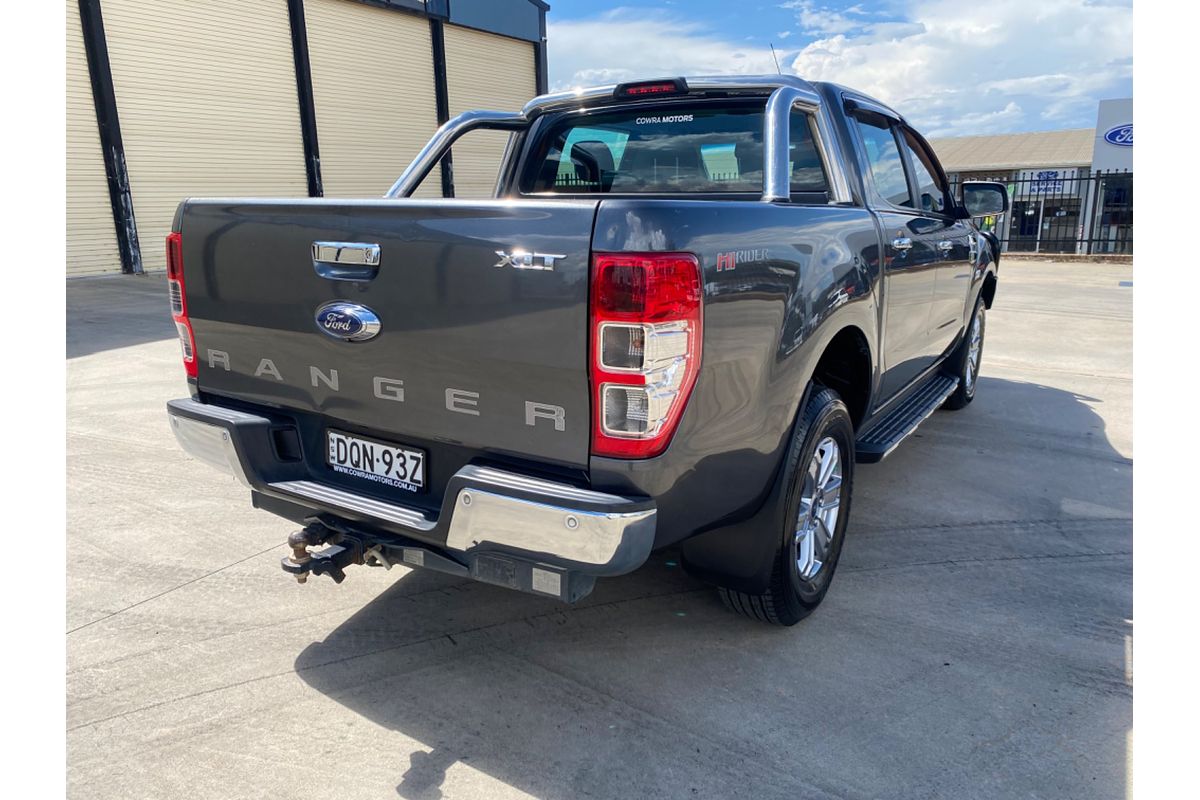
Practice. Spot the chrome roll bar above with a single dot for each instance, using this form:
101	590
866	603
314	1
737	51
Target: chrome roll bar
445	136
776	134
777	165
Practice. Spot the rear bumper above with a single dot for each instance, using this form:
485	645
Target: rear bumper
484	510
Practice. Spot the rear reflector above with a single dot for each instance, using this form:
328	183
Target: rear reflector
178	295
646	335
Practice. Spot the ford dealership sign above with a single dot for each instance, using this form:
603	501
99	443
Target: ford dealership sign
1120	135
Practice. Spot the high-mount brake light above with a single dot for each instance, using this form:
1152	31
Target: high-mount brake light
646	328
178	295
646	88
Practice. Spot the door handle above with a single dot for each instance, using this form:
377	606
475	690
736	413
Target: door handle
902	243
945	245
346	261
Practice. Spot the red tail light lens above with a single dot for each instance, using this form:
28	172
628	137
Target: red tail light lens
646	341
175	288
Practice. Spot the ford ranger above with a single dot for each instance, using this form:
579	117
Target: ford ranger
691	306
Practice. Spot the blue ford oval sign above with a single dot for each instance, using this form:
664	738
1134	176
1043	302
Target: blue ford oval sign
1120	135
349	322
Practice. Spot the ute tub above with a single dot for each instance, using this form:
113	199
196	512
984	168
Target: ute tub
483	510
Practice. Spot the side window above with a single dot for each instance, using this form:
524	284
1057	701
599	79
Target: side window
808	171
930	188
883	155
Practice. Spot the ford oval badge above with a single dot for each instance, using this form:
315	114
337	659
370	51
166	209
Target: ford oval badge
349	322
1121	135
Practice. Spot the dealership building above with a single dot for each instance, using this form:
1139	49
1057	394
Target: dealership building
1071	190
168	99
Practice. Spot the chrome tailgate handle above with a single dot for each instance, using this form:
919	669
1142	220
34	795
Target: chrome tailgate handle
353	253
346	261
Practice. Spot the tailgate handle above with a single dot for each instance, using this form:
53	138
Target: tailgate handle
346	261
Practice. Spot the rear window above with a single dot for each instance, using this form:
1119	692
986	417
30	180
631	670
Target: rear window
665	150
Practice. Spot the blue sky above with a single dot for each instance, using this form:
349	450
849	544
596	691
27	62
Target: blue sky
953	67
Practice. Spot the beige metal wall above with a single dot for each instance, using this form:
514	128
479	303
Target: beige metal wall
206	94
485	71
373	92
91	237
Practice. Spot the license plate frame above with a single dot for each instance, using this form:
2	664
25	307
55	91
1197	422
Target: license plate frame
367	462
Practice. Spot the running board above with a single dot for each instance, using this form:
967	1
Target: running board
883	437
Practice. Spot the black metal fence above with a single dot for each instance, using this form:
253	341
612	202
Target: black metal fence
1064	211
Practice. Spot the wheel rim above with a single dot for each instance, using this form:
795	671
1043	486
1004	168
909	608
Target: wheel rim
974	351
820	504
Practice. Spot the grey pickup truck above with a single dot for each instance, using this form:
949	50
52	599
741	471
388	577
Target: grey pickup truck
691	306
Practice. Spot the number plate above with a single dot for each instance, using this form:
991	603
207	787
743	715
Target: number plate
399	467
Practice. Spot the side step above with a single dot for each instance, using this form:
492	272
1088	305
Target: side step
883	437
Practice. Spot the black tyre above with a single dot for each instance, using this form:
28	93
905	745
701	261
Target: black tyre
820	476
967	358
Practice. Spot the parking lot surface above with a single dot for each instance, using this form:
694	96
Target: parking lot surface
974	643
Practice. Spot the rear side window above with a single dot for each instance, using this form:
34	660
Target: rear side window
883	156
666	150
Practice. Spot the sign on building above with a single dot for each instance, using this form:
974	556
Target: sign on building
1046	181
1113	149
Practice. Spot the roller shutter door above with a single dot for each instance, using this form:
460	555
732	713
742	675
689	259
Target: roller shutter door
485	71
373	92
91	237
206	94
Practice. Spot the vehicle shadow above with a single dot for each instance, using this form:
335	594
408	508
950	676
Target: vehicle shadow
934	641
107	312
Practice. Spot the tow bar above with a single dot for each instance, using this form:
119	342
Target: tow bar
326	546
341	549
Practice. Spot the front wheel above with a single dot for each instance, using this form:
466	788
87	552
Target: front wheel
967	358
820	474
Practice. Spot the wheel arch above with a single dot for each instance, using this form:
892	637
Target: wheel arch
846	365
988	290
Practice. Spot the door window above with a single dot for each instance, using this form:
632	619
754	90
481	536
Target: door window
883	156
931	189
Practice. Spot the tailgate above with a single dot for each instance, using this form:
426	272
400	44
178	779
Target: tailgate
492	358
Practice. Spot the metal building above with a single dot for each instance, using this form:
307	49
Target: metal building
168	99
1071	190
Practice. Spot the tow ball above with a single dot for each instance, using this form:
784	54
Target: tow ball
339	550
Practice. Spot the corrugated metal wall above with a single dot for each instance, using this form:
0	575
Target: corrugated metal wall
373	90
91	237
207	103
206	94
484	71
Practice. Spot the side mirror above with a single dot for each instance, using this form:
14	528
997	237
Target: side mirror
984	198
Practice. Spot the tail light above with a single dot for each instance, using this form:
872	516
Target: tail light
175	288
646	339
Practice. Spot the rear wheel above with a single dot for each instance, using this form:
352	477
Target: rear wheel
967	358
820	473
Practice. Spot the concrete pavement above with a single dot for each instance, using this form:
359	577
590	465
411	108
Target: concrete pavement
974	643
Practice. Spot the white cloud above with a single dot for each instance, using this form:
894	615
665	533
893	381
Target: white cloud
955	68
621	46
951	67
783	34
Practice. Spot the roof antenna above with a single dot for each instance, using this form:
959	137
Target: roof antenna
777	69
